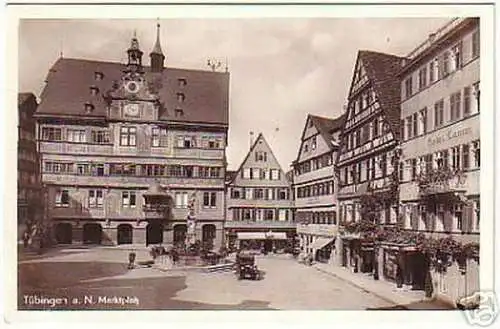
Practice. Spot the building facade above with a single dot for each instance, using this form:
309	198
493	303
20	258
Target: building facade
315	184
367	158
29	192
259	203
440	166
108	132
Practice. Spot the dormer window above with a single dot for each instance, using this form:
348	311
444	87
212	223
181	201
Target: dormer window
179	112
182	82
181	97
98	76
89	107
94	90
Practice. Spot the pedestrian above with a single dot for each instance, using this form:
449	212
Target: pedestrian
26	238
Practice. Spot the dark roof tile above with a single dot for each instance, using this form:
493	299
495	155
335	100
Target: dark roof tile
69	81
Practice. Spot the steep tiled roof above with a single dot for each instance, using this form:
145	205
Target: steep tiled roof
382	70
69	82
327	126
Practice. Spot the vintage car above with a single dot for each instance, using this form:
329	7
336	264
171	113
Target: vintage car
246	268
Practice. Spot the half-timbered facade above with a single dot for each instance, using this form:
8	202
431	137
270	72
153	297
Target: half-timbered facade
315	185
370	134
108	132
259	201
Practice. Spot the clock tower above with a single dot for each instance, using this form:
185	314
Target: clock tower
134	53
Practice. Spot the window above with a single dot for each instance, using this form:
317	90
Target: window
282	194
477	93
306	147
467	104
62	198
376	130
423	121
428	162
477	209
215	172
122	169
439	113
366	133
179	112
260	156
255	174
51	134
477	153
186	142
458	216
128	199
465	156
434	70
475	44
455	158
248	194
422	78
100	137
415	124
313	143
181	199
269	214
258	194
58	167
213	143
95	198
456	56
455	106
247	173
446	63
159	137
275	174
181	97
209	199
408	87
128	136
409	125
77	136
357	136
235	193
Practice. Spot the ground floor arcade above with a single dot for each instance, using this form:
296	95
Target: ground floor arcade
129	232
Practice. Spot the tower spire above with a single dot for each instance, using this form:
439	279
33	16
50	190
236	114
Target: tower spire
156	55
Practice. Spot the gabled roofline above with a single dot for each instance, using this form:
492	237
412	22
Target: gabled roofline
250	152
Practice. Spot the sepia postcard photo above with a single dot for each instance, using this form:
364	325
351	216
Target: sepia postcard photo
247	157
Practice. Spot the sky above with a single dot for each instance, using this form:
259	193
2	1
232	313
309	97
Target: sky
281	69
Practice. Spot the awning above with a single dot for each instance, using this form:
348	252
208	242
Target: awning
261	235
251	235
321	242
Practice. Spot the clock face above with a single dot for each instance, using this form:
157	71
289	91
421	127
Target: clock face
132	87
132	110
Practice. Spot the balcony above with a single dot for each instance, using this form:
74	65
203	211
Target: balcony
265	224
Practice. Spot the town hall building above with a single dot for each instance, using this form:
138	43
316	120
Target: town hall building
127	150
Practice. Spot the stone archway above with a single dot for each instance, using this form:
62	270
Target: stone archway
64	233
154	233
180	231
92	233
124	234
